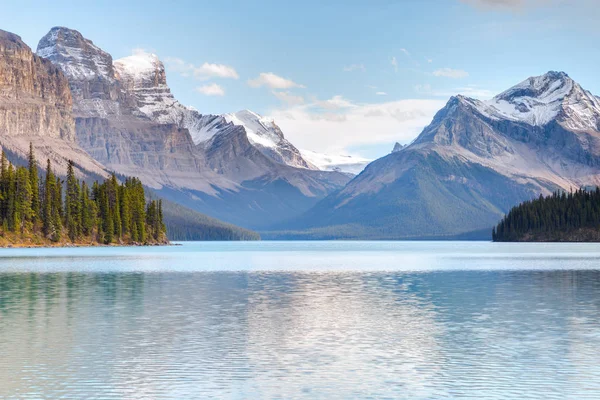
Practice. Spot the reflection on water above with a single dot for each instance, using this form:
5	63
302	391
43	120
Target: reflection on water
300	334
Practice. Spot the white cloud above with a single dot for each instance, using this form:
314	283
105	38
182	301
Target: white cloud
469	90
207	70
394	63
381	94
451	73
211	90
309	126
202	72
423	88
273	81
289	98
355	67
405	52
335	103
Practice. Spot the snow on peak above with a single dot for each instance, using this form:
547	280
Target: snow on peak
336	162
141	68
260	130
78	57
265	135
541	99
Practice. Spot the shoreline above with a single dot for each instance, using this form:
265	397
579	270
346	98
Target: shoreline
67	245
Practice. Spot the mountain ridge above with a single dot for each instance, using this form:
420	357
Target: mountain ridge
138	128
470	165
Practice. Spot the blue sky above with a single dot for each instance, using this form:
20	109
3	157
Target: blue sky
345	76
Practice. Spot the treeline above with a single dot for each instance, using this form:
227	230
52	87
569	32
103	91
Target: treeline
573	216
108	212
186	224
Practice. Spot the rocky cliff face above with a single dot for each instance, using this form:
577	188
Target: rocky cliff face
35	97
36	107
143	76
89	69
472	163
111	121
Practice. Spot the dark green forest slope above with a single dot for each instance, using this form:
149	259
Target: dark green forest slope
561	217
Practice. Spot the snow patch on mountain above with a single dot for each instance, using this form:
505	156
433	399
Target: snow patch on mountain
260	130
336	162
265	135
143	74
538	100
80	58
140	68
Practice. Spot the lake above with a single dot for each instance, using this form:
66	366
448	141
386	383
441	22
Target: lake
302	320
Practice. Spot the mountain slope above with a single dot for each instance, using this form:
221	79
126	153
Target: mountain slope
237	167
335	162
36	107
470	165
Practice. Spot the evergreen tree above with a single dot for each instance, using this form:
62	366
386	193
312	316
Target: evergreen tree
555	217
72	204
48	226
24	193
110	212
34	183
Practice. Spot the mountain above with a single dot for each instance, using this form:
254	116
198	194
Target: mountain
36	107
38	104
470	166
236	167
335	162
267	137
397	147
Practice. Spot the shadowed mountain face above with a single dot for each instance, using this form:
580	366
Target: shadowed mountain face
470	165
237	167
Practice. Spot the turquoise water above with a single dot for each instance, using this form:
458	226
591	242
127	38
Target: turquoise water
302	320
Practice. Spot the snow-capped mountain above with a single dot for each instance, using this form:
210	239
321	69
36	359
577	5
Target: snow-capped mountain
267	137
538	100
236	167
471	164
143	75
336	162
89	69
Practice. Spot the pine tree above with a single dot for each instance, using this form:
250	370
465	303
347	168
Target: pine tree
23	196
47	220
72	204
34	183
10	198
57	210
87	211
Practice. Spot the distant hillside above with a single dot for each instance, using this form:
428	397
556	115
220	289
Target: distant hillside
561	217
185	224
475	161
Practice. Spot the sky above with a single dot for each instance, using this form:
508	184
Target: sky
338	76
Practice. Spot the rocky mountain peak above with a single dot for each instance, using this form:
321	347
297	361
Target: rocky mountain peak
537	101
88	68
10	40
78	57
268	138
397	147
141	70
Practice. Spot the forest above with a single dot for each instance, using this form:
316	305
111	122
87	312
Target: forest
45	209
560	217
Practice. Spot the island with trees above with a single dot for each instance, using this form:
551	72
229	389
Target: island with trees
45	210
560	217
